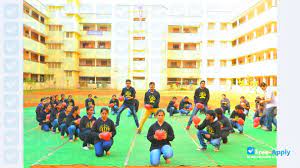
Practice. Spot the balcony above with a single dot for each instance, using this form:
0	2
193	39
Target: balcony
35	67
184	54
94	53
71	45
55	37
35	46
34	24
184	37
183	72
95	35
255	45
267	16
94	71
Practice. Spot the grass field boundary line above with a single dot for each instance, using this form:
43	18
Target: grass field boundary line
31	129
198	146
50	154
258	141
132	142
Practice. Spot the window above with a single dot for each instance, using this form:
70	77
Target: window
103	80
54	65
223	63
42	78
89	27
138	38
69	54
34	77
174	46
174	29
242	20
35	15
86	62
139	19
173	81
210	63
222	81
55	27
55	46
103	62
26	9
223	26
138	78
101	27
211	26
26	32
224	43
42	19
104	44
42	39
87	44
34	36
34	57
173	64
101	44
234	43
210	81
233	62
250	59
190	46
234	24
210	43
26	55
69	34
189	64
190	29
42	59
241	60
69	73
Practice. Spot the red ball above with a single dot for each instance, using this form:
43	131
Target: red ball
196	120
121	98
255	124
241	121
191	108
105	136
199	105
176	105
159	134
48	117
148	106
111	105
64	104
256	119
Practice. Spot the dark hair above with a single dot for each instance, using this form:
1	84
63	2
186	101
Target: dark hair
211	113
75	108
263	84
218	111
114	95
42	99
160	111
51	97
55	95
104	109
242	97
69	96
128	80
47	97
203	81
239	107
62	95
174	97
47	104
151	83
88	108
185	97
89	95
224	94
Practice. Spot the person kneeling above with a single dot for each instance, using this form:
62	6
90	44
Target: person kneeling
85	126
160	134
103	132
213	133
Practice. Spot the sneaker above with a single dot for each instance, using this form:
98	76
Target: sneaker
53	132
88	145
217	149
71	140
241	132
201	149
187	127
265	128
85	148
225	141
76	139
232	131
107	153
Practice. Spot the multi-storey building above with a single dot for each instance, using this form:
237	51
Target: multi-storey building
78	44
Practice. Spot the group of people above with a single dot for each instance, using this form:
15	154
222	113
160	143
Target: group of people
62	115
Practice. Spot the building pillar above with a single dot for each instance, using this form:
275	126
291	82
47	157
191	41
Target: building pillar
254	34
272	54
271	80
255	12
264	79
265	56
254	58
265	30
273	28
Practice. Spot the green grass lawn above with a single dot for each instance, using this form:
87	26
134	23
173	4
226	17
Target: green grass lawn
43	148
